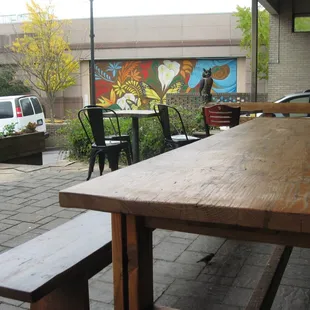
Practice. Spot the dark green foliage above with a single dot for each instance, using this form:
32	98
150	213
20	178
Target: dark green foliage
75	141
8	130
9	85
151	136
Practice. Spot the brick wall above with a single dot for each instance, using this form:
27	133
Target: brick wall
289	69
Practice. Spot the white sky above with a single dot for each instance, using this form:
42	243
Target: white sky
103	8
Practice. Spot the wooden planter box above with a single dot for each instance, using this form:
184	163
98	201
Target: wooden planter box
23	149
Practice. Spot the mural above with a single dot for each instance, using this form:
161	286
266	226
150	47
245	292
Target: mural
141	84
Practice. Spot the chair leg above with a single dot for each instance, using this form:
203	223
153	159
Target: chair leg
101	162
207	130
92	160
129	146
113	160
128	155
167	146
170	146
130	150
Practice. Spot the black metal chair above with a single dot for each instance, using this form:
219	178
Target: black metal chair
115	136
99	144
178	137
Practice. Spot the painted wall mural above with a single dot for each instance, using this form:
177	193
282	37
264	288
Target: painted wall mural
141	84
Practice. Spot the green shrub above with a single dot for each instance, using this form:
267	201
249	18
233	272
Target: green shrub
10	86
192	119
151	139
74	139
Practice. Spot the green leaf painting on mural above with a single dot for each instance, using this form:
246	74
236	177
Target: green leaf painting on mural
244	23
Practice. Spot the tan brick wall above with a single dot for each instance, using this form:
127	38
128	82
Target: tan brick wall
63	106
289	69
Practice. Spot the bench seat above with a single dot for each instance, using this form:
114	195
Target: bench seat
52	270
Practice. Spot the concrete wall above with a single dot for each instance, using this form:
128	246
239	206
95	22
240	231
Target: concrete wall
289	55
167	36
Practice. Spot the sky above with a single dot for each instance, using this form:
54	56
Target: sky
107	8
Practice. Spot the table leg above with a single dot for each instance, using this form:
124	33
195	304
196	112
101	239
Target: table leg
135	139
119	259
140	264
132	263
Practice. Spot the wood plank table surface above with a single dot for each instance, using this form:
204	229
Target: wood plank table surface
251	182
245	107
269	107
135	115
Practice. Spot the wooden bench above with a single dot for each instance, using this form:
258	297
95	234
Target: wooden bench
52	270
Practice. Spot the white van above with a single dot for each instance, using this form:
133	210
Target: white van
21	110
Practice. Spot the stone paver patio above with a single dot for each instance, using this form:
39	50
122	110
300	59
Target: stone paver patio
29	207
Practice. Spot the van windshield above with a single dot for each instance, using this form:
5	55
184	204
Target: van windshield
6	110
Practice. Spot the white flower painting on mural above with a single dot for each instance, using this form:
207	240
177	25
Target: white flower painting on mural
167	72
122	102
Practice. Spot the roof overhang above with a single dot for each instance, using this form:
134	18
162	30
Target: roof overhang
272	6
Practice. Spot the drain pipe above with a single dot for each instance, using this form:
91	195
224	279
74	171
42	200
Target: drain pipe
254	50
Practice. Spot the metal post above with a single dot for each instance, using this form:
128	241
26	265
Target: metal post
254	50
92	57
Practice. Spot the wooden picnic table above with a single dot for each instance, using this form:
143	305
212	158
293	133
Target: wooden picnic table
269	107
251	182
135	115
246	108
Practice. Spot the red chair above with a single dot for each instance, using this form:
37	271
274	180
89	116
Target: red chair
220	115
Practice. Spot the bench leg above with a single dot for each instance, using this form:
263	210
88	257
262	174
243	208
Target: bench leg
133	277
266	290
73	295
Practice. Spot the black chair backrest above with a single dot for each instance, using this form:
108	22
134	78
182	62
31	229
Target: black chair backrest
162	111
94	116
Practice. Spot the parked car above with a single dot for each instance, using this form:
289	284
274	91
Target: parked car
300	97
21	110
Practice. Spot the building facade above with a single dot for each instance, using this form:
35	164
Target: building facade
144	58
289	50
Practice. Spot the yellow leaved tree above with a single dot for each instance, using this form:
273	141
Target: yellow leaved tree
44	55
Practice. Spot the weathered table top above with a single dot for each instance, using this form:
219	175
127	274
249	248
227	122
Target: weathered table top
253	175
133	113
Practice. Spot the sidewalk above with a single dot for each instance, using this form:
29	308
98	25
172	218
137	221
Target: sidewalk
29	207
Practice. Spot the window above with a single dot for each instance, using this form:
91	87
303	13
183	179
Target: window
26	106
6	110
302	23
304	99
36	105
